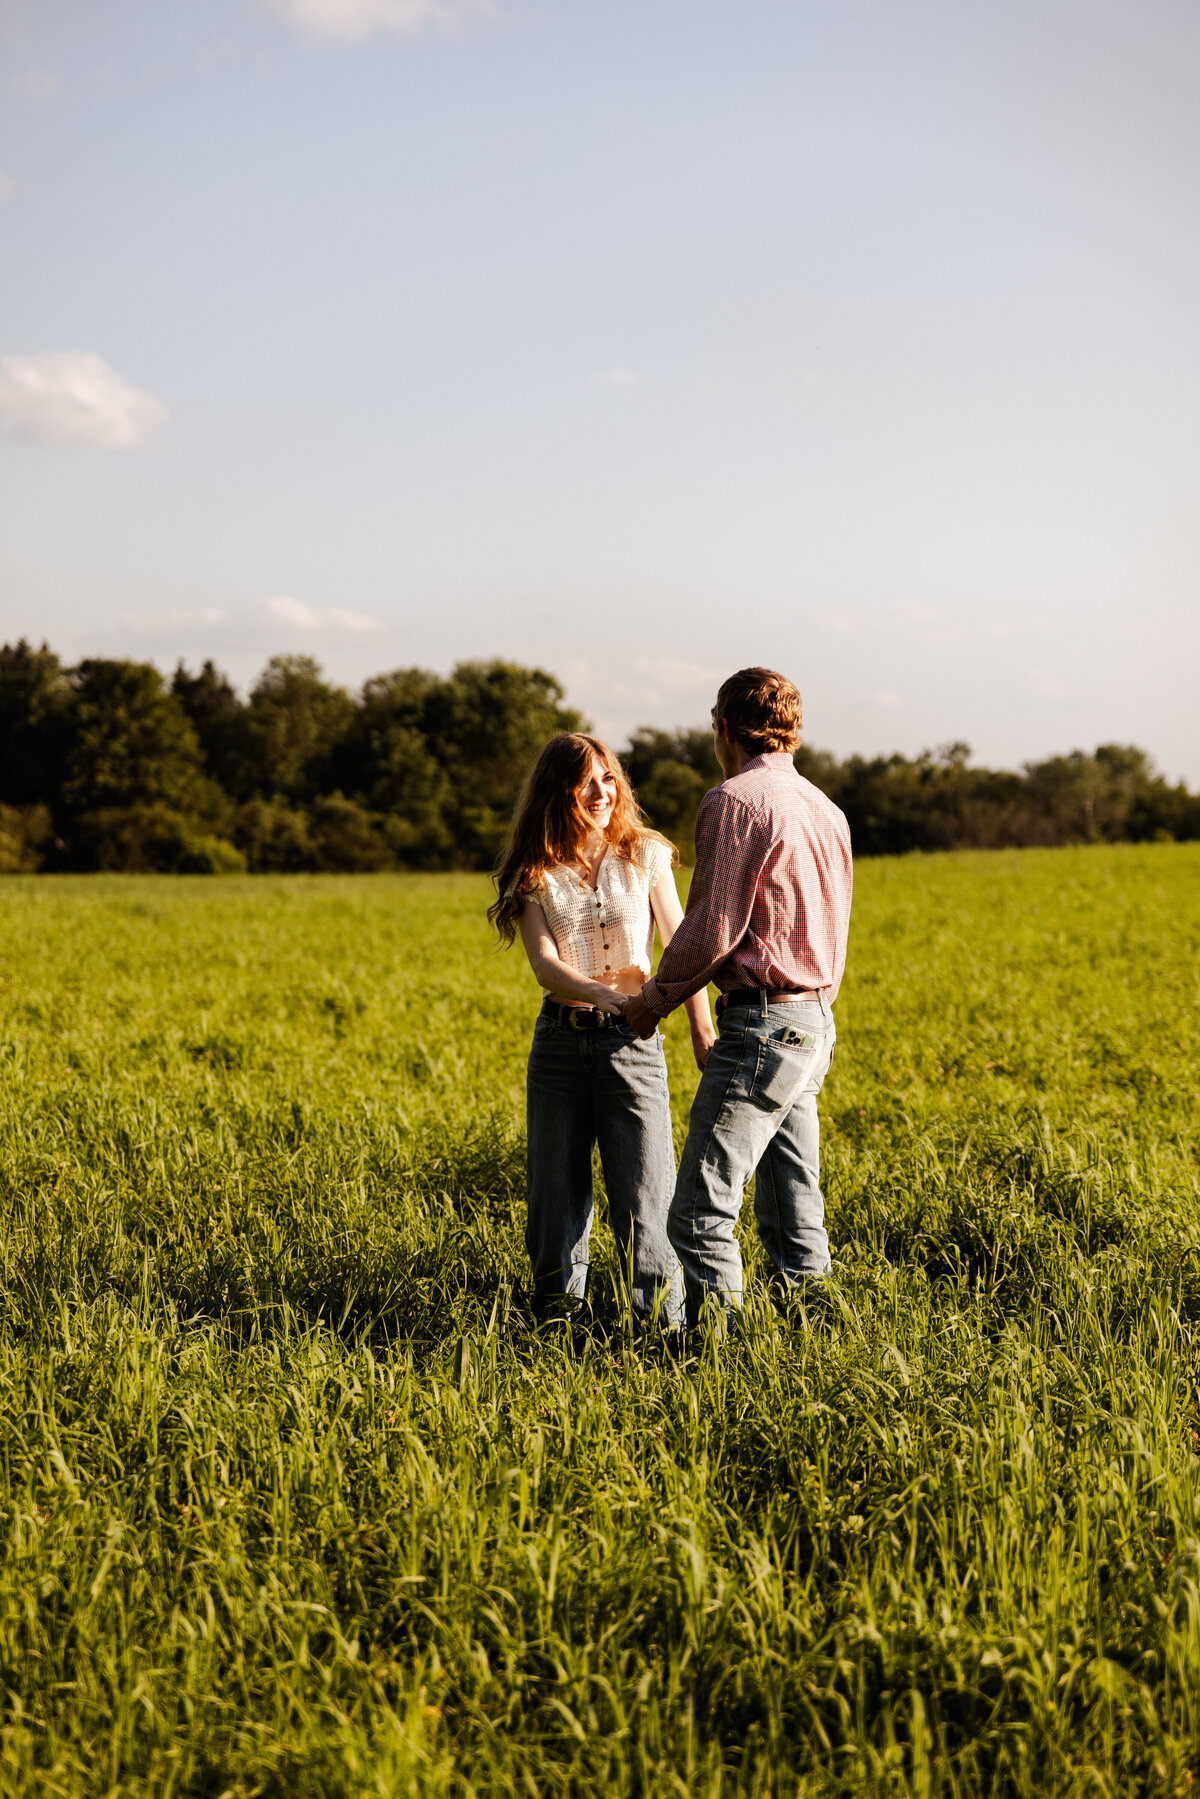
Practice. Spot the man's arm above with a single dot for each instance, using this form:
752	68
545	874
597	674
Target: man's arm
668	915
729	857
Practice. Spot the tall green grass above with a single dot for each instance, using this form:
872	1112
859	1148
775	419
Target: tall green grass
296	1501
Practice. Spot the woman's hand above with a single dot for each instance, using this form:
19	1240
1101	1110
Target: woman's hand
703	1038
607	999
552	973
638	1016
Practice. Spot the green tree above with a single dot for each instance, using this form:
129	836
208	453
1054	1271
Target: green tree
670	772
132	745
294	725
218	717
35	725
347	837
25	834
274	839
485	726
153	839
386	762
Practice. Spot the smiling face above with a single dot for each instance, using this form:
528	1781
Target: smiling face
597	794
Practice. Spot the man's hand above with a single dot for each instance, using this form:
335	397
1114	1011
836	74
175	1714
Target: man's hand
639	1016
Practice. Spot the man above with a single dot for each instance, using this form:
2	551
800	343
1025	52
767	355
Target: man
766	920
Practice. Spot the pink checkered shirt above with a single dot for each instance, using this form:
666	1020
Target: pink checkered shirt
770	899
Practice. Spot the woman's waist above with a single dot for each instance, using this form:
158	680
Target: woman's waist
572	1018
630	979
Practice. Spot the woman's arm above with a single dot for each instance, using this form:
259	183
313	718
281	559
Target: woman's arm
668	916
552	972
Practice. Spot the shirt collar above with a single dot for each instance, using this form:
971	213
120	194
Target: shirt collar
770	759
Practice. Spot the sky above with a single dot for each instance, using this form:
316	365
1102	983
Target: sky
639	341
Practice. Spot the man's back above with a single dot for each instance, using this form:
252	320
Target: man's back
770	899
767	918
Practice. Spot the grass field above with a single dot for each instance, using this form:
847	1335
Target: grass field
295	1501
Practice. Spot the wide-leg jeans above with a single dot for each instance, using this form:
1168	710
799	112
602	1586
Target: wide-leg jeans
600	1087
755	1109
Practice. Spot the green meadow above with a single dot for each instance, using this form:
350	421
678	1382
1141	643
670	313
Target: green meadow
295	1500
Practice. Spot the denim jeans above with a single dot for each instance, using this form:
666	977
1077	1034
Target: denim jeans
755	1108
589	1087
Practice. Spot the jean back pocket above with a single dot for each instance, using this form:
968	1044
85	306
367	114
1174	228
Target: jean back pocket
784	1064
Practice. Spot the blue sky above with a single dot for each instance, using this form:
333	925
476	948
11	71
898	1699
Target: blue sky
641	341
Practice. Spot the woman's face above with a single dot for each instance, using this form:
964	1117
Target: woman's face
597	794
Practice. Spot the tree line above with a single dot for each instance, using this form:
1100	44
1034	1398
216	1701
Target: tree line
109	765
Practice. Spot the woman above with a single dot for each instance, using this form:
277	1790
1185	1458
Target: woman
585	881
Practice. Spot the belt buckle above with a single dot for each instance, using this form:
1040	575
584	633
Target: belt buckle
577	1013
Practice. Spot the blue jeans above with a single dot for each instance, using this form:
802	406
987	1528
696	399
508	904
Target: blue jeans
755	1108
589	1087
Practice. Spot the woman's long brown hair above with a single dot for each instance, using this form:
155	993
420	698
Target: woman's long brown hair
550	825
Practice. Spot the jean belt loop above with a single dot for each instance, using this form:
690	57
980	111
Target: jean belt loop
764	1011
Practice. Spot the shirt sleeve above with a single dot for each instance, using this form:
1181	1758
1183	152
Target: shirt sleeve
659	861
729	858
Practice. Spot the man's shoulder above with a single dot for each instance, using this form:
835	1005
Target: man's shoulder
821	802
756	792
772	795
783	797
730	798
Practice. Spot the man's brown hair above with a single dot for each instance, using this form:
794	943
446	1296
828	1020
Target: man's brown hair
762	709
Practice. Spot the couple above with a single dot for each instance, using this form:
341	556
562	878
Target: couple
584	881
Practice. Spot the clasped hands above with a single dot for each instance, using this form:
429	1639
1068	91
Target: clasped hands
637	1015
643	1023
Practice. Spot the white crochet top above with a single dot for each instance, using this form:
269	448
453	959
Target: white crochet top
601	932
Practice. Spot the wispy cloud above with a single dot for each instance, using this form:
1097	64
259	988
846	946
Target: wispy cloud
260	623
171	617
8	187
614	378
635	691
353	21
74	398
294	612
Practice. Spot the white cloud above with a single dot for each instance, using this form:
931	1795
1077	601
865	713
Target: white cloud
348	621
294	612
615	378
356	20
72	397
8	187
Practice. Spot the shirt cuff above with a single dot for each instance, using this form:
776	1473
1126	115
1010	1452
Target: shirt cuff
655	1000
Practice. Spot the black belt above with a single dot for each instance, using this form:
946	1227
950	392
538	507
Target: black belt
756	996
581	1018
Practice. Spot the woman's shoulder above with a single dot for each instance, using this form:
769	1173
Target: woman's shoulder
553	881
652	856
660	853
